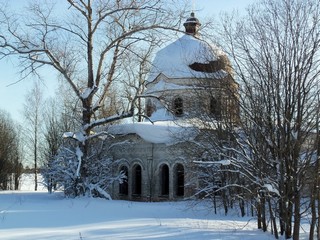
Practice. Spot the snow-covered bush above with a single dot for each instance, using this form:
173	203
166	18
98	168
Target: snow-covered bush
62	172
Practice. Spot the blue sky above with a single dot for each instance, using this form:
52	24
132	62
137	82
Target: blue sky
12	95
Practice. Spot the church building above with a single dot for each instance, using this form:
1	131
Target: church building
189	91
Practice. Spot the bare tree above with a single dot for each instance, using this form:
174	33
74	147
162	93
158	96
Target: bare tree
314	190
10	157
275	51
136	69
33	107
84	43
53	130
218	119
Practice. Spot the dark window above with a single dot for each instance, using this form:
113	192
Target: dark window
123	187
215	107
165	180
149	108
137	180
179	174
222	63
178	106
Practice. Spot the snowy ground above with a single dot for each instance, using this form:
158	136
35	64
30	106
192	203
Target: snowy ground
39	215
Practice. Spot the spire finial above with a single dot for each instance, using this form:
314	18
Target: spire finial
192	24
193	5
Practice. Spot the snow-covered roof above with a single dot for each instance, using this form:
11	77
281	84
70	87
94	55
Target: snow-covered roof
173	61
167	132
161	114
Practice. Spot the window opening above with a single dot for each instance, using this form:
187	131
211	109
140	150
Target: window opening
165	180
180	180
215	107
137	180
178	106
123	187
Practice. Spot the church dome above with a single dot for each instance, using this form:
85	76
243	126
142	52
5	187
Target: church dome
189	57
175	70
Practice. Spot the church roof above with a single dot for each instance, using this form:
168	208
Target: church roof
174	60
167	132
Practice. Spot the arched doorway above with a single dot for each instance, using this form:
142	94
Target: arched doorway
136	180
179	180
123	187
164	180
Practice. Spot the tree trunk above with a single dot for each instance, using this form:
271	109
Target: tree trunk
259	215
263	213
225	202
318	201
215	203
288	219
297	218
242	209
35	167
273	220
313	212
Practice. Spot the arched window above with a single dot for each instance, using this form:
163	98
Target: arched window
136	180
178	106
123	187
215	107
164	180
179	180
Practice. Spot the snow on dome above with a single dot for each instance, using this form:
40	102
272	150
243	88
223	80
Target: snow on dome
173	61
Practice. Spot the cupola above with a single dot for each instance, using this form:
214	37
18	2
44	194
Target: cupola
192	25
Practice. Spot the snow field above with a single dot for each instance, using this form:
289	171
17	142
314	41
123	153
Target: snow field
39	215
30	215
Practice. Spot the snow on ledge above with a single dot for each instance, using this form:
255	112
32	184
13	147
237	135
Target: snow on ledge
225	162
